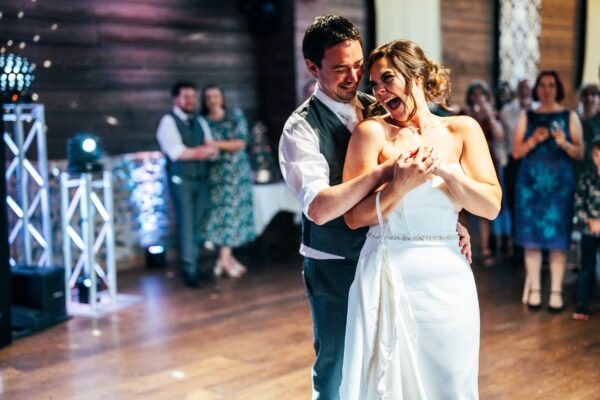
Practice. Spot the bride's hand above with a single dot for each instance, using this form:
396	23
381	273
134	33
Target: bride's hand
438	168
411	169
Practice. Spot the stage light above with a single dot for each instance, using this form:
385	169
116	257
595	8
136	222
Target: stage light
157	249
84	286
16	77
89	145
83	153
156	256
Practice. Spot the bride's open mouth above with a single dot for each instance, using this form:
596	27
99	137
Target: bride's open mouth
394	103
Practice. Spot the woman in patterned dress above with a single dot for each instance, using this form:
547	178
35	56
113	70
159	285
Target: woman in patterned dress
547	139
230	221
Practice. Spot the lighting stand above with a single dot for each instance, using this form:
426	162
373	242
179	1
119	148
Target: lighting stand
24	124
90	198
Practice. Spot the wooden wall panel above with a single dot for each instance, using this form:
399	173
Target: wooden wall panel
559	43
468	43
119	58
277	75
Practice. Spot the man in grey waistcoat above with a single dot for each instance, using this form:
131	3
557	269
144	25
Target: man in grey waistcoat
312	151
184	137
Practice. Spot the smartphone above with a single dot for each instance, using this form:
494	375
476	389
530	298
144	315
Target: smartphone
556	126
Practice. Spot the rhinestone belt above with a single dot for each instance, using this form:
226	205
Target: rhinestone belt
414	238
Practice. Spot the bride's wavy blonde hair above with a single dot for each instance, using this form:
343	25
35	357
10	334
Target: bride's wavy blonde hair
410	61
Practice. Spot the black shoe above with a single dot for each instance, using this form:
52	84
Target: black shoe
192	279
534	307
555	310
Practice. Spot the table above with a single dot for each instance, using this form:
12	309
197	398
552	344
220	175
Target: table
270	199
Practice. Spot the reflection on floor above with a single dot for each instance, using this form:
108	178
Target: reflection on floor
251	339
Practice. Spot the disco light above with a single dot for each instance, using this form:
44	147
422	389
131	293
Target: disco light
16	77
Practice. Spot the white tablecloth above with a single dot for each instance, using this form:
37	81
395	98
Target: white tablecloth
269	199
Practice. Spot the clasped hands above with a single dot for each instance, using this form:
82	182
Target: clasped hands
412	168
206	151
542	133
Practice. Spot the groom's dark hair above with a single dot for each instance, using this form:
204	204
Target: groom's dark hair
327	31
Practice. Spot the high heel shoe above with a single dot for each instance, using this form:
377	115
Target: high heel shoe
240	267
534	306
218	268
526	288
527	292
235	271
552	309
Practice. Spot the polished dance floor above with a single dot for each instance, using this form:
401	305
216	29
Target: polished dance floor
251	339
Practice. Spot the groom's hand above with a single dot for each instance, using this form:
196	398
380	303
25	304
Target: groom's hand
387	170
464	242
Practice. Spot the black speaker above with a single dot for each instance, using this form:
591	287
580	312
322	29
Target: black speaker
5	317
38	297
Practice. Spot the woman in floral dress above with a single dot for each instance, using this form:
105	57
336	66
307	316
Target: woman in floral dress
547	139
230	223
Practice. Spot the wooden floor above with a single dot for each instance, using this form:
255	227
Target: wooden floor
251	339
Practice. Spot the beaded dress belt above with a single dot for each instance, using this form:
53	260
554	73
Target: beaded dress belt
414	238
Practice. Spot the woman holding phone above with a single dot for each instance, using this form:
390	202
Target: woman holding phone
547	140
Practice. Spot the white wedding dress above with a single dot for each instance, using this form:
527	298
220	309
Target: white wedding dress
413	317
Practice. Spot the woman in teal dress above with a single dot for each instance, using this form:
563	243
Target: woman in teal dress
230	222
547	140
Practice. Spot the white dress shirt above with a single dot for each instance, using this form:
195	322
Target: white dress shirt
303	167
168	136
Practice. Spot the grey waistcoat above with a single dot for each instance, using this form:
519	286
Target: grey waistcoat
333	237
191	136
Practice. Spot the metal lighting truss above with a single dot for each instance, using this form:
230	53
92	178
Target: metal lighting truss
24	124
88	196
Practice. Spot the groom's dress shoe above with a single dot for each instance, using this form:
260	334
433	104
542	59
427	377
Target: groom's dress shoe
192	279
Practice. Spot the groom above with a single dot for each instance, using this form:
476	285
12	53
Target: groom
312	151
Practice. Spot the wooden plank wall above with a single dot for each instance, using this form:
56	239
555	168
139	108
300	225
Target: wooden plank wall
468	43
277	75
113	58
469	46
118	58
560	43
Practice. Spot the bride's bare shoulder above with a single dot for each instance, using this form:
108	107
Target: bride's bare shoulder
462	124
373	128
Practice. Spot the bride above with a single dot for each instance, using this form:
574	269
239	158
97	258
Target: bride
413	316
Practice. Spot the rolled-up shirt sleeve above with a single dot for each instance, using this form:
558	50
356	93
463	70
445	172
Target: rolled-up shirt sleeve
303	167
169	138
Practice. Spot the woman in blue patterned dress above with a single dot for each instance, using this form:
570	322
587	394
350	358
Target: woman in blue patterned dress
547	139
230	222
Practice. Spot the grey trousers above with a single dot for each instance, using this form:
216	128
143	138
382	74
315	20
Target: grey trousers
191	203
327	285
